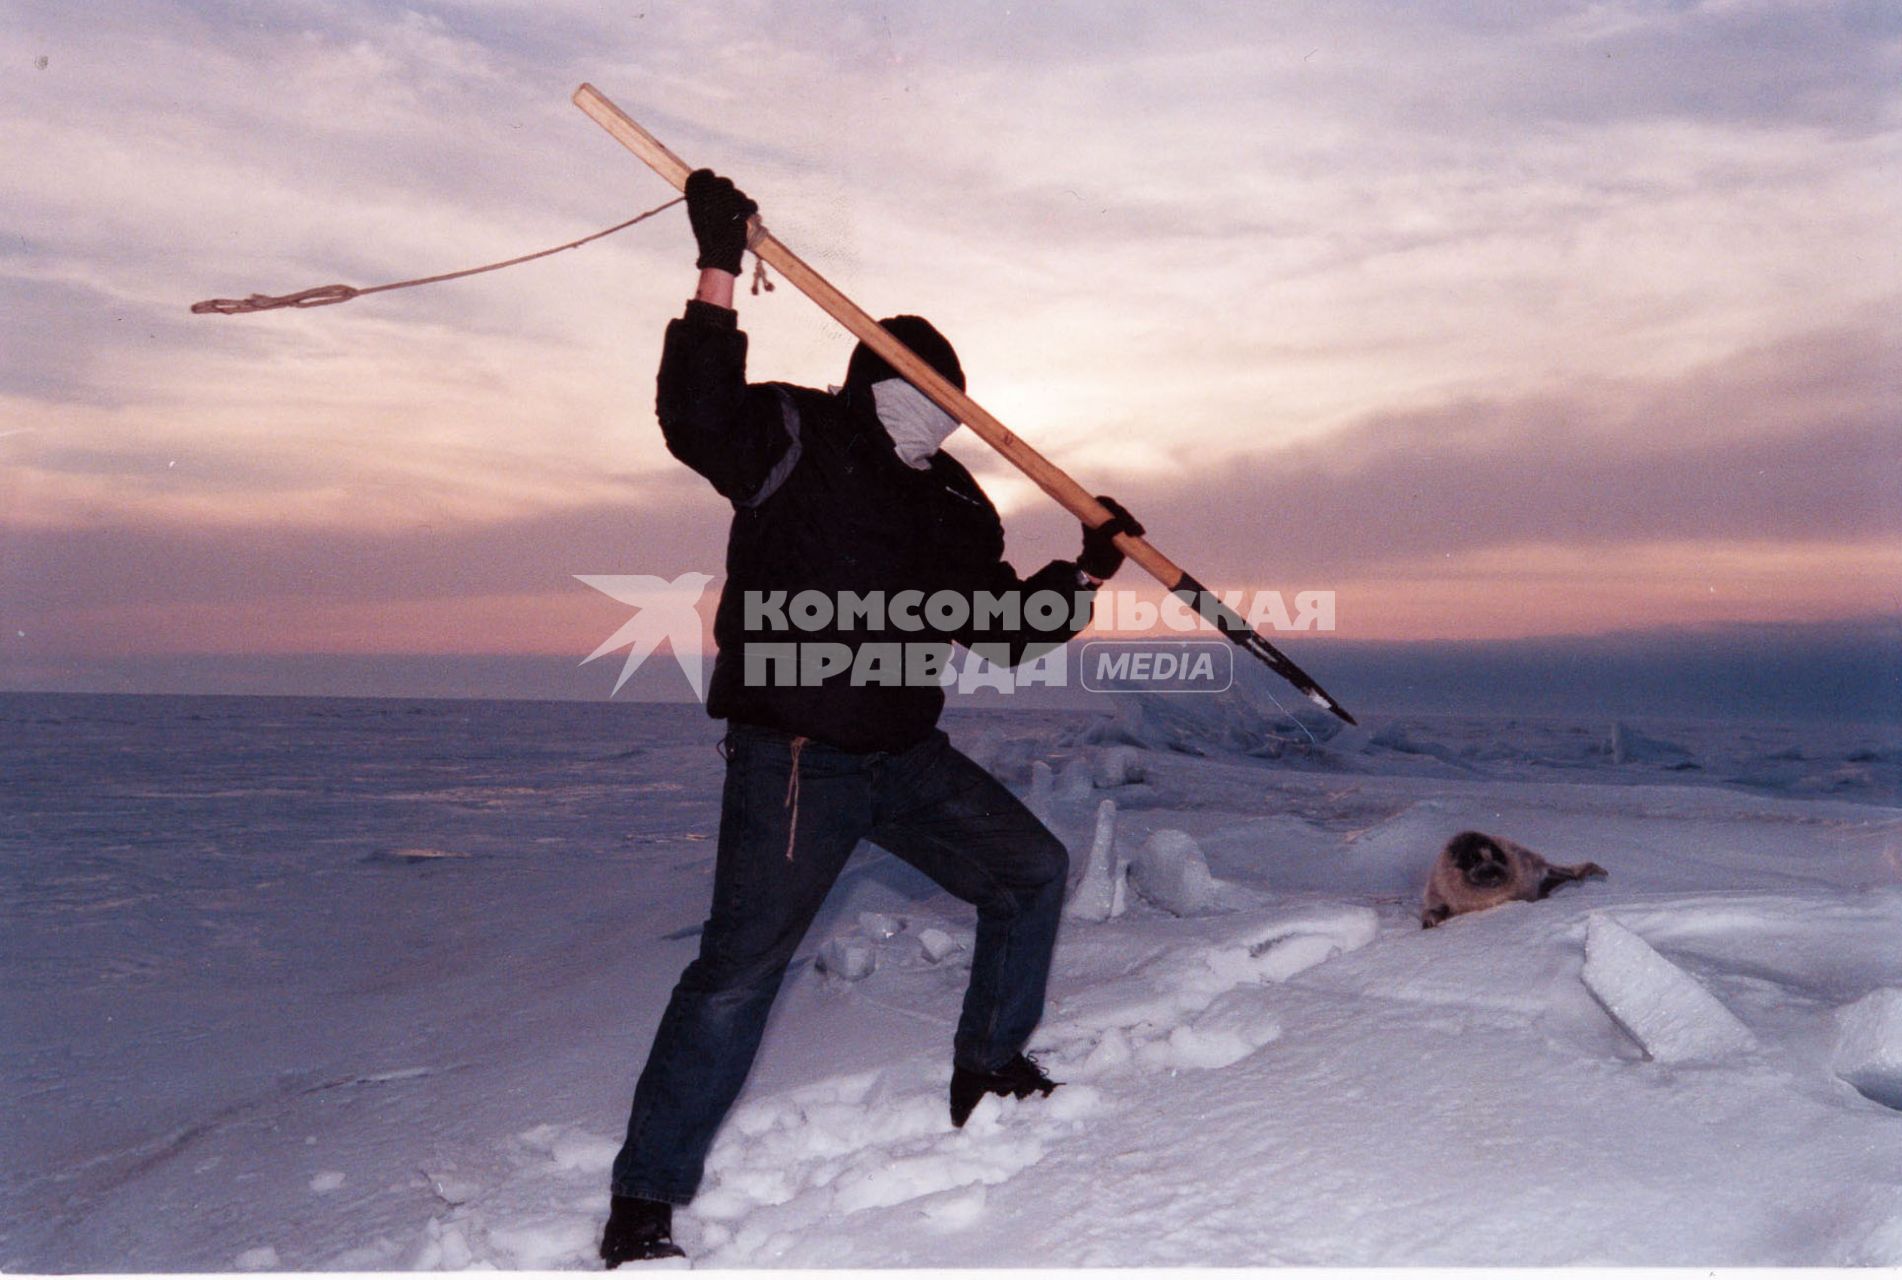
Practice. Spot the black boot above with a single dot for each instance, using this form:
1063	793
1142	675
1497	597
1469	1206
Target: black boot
638	1231
1018	1078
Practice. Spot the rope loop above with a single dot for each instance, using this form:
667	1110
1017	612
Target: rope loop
756	232
324	295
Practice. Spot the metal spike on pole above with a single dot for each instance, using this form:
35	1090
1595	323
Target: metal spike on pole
1042	472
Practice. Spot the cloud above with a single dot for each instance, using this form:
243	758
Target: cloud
1551	511
666	527
1789	444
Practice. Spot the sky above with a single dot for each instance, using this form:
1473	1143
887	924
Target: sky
1501	322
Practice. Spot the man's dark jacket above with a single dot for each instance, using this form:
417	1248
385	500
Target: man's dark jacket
821	502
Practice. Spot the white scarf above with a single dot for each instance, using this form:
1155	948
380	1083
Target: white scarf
916	425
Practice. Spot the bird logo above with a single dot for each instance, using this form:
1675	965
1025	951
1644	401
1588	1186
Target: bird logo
663	611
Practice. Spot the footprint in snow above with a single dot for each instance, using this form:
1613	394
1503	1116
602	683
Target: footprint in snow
536	1204
1200	1006
874	1142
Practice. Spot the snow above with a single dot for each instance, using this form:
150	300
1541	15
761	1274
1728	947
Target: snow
1868	1053
1117	767
1098	893
936	944
1040	798
1076	780
848	958
1628	746
360	985
1170	872
1663	1008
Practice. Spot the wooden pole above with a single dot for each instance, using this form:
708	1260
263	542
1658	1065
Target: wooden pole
1042	472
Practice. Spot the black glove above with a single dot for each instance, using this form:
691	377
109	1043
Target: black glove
718	211
1100	558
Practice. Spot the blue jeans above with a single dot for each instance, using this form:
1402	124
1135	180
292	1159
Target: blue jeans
784	838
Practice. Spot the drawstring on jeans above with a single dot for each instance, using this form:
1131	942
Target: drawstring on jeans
792	798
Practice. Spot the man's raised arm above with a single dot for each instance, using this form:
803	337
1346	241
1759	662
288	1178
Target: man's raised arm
731	433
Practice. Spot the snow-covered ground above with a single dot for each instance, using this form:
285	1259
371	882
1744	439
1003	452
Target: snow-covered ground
351	984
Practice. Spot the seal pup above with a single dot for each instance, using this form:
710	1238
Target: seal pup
1475	871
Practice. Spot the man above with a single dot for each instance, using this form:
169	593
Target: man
832	715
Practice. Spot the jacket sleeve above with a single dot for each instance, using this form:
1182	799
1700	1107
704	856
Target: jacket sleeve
734	434
1011	646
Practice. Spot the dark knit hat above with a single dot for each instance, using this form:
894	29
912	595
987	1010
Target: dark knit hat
867	366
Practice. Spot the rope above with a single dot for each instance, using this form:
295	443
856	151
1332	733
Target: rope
792	797
328	294
756	233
